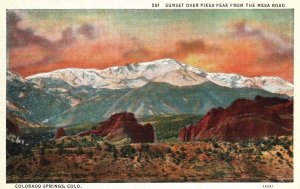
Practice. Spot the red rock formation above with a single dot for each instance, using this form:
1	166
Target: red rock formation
244	119
12	128
60	132
122	125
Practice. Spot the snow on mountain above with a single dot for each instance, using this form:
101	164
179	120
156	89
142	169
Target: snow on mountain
130	76
10	76
271	84
164	71
275	85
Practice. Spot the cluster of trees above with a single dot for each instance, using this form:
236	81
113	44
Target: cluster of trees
69	143
15	148
35	136
144	153
267	144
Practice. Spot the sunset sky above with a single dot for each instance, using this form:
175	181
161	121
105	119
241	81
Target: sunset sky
248	42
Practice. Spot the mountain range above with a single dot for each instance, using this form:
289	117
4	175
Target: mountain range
162	71
74	96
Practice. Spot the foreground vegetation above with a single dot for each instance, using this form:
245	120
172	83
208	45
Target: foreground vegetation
36	136
92	159
166	129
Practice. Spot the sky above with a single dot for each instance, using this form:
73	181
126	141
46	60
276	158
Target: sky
248	42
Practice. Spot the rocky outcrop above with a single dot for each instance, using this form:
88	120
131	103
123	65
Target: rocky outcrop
123	125
244	119
12	128
60	132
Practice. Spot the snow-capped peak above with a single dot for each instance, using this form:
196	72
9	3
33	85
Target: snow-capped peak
132	75
166	70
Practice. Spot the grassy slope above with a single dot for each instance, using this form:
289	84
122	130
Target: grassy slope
167	127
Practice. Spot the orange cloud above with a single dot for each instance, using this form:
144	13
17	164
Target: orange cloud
245	57
248	50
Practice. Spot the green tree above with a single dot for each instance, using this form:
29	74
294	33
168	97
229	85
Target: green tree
128	151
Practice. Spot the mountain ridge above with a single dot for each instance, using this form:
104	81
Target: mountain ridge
156	99
164	70
54	101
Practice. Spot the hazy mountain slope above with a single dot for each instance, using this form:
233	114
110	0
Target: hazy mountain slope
155	99
29	102
91	110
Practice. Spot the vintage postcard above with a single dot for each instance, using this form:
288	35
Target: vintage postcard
150	92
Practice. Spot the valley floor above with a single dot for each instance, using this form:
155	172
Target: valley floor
263	160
